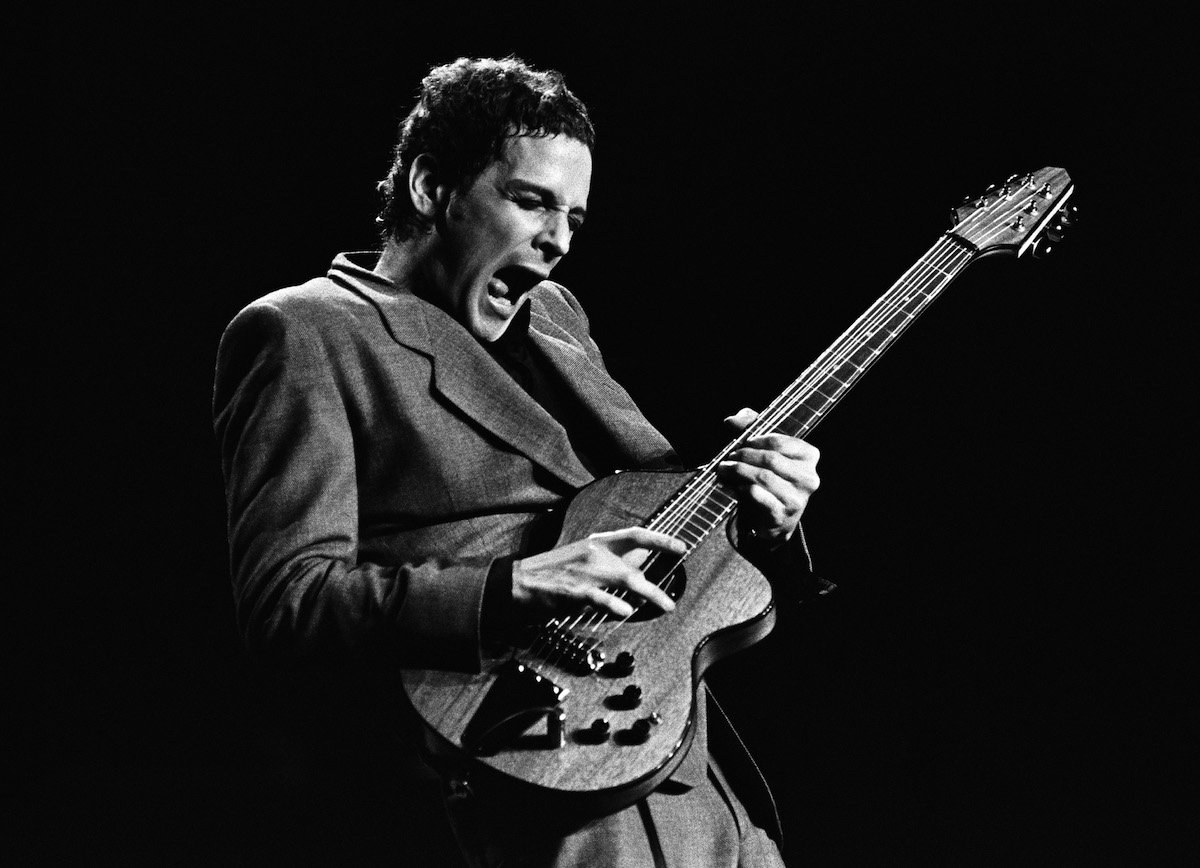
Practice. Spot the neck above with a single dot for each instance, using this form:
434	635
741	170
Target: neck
408	264
401	261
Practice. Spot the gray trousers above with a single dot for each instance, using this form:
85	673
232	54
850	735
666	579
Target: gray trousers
697	827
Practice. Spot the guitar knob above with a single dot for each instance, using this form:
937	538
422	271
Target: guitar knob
596	733
630	697
641	727
623	665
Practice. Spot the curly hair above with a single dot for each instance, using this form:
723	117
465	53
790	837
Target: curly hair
465	111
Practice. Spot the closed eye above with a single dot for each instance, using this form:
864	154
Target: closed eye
527	202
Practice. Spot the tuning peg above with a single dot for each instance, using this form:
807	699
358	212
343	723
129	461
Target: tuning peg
1063	220
1042	247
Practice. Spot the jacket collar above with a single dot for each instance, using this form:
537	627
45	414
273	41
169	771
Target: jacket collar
466	375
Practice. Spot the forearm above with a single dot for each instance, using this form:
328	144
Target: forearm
315	605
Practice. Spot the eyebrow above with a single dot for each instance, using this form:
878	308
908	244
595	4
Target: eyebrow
546	194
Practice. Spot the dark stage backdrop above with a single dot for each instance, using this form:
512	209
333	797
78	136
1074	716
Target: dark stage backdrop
998	678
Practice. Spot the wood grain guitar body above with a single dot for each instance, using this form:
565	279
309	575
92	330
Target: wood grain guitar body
527	723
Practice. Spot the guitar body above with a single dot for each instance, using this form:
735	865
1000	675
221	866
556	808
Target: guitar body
724	605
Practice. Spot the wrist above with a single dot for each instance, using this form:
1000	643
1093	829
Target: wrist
498	614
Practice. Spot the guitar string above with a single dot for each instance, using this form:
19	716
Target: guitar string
881	313
709	500
678	515
867	327
819	374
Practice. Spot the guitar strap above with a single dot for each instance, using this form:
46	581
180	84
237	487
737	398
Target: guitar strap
755	781
660	861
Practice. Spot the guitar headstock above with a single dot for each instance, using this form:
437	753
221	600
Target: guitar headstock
1026	211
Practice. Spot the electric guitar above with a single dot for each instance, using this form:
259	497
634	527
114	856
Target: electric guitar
592	712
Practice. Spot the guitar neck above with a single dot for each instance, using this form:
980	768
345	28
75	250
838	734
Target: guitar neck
703	504
827	380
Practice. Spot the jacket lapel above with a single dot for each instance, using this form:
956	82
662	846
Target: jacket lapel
470	379
601	396
466	375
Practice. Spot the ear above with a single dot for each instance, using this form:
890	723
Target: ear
429	195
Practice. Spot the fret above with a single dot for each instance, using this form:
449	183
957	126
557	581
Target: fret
828	398
814	411
896	322
722	496
847	373
797	422
936	268
687	536
863	356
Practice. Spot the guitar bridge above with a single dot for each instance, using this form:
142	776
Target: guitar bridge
517	699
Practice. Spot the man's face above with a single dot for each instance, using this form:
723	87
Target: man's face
507	229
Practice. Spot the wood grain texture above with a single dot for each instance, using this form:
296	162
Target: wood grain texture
725	606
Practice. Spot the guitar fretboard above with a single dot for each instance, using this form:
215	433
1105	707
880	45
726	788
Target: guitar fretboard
704	503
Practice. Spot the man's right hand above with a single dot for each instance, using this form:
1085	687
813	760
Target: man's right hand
583	574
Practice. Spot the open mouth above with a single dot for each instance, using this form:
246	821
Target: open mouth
511	282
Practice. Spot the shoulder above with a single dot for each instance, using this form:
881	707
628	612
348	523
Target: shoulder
320	312
295	329
553	302
317	304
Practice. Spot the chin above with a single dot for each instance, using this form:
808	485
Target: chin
490	330
488	326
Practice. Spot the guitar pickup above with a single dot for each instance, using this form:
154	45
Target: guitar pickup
562	647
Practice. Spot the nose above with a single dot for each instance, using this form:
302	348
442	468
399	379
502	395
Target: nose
554	239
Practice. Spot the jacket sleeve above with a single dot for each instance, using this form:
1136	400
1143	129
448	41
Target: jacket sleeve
788	566
287	452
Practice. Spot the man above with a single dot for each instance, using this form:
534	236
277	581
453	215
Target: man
391	434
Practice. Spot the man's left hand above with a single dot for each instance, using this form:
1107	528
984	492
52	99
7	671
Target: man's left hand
774	475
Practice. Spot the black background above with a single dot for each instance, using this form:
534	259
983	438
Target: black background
1000	678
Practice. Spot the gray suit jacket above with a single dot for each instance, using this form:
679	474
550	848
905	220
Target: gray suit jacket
377	460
